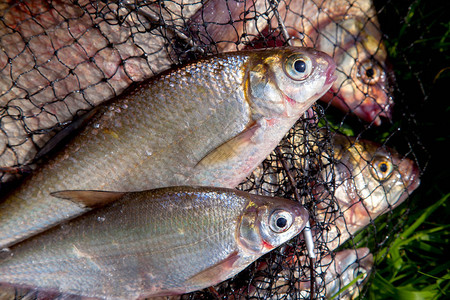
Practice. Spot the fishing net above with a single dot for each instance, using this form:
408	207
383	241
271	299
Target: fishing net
60	59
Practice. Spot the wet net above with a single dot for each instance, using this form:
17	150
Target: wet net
60	59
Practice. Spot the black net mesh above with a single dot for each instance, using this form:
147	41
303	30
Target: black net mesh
60	59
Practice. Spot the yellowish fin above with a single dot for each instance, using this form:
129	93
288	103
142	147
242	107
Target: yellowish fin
230	148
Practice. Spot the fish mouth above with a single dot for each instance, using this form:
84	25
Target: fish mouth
329	74
413	183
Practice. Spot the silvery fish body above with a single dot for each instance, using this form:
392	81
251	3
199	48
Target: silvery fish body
366	179
370	179
209	123
61	57
349	31
160	242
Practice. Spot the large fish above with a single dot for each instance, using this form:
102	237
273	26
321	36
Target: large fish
347	30
152	243
60	57
210	122
358	180
370	179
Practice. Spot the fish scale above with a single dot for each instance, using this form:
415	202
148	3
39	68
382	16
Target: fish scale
163	134
149	243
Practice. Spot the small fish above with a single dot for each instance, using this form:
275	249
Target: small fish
334	272
160	242
370	180
210	122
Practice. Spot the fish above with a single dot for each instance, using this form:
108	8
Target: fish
348	31
224	26
356	180
61	58
209	122
370	180
158	242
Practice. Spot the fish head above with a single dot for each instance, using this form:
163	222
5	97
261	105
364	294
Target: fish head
345	267
370	179
363	78
284	82
268	222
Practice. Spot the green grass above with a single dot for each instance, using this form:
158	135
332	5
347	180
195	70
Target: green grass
411	244
415	265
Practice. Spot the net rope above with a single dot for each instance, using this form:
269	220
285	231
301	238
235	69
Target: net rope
59	59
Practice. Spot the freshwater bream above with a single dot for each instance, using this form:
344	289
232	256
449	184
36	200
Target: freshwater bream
347	30
160	242
208	123
370	180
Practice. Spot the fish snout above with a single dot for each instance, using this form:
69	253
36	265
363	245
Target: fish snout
326	64
330	76
414	178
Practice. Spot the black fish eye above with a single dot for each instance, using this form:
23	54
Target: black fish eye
370	72
381	168
280	221
298	66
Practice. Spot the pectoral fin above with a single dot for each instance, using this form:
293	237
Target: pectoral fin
61	137
90	199
230	148
215	274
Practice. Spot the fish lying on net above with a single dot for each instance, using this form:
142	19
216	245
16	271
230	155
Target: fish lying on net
346	30
255	10
356	181
209	123
159	242
61	57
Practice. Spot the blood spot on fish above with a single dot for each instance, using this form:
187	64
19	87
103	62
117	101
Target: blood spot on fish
267	245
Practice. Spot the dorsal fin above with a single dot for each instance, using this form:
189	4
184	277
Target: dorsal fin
89	199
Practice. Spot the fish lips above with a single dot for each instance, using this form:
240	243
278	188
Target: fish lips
412	183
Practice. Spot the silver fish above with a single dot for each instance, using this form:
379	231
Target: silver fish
349	31
209	123
59	58
370	180
160	242
366	179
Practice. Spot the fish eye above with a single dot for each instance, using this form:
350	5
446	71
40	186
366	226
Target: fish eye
298	67
357	272
381	168
280	221
370	72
